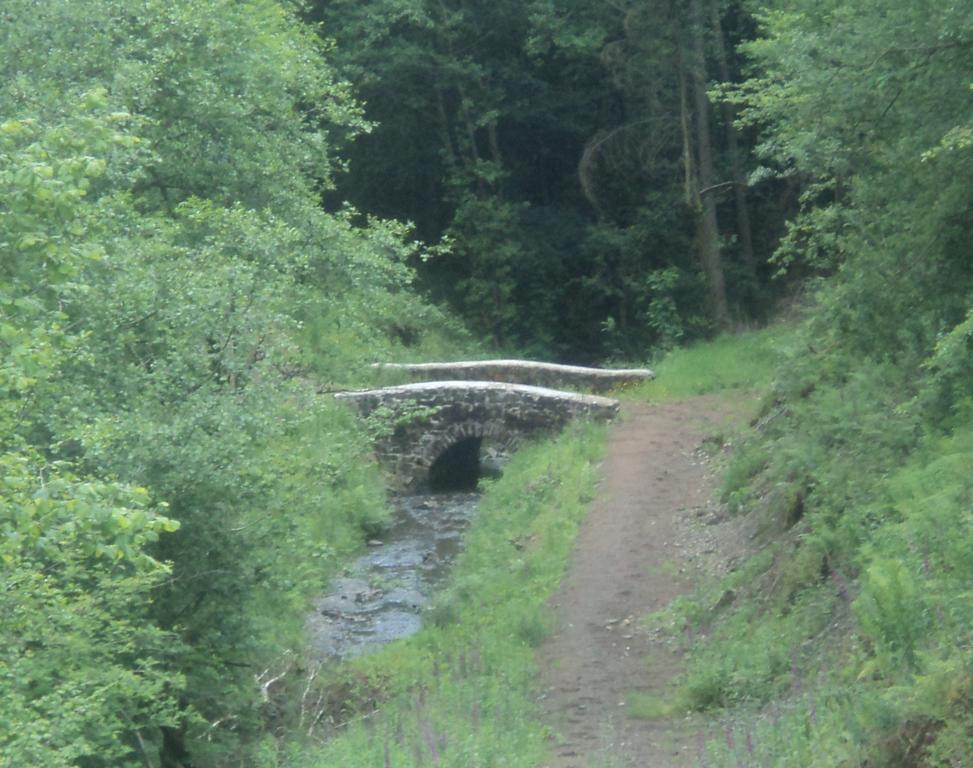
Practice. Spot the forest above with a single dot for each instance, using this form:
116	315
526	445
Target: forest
214	213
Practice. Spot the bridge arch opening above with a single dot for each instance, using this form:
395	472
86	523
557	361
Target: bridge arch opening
457	468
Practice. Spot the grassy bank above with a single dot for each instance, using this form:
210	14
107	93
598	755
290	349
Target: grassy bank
744	362
461	692
844	640
850	641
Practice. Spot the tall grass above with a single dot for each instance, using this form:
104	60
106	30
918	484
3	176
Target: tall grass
731	361
895	688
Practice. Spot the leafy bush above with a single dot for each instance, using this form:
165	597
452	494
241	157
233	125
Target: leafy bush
87	678
163	243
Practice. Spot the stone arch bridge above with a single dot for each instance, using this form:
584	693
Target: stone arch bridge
434	432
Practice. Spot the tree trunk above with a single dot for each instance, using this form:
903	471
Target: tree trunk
709	232
685	123
739	177
481	184
444	130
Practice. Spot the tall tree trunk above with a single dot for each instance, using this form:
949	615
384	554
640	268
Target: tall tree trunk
709	231
495	153
739	177
444	130
464	109
686	123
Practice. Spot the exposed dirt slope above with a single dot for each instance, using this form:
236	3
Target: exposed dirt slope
634	554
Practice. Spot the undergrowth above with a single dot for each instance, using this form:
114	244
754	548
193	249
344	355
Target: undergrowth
847	639
865	655
461	692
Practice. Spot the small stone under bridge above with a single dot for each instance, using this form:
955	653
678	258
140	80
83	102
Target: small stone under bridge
438	434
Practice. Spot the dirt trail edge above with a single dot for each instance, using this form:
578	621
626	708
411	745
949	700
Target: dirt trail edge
631	557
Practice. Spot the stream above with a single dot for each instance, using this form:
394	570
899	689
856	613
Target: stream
380	596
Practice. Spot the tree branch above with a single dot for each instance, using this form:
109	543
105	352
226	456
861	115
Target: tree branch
719	187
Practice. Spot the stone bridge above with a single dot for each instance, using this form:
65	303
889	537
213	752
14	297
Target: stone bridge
435	433
523	372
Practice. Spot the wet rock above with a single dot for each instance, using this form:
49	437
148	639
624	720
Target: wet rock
492	464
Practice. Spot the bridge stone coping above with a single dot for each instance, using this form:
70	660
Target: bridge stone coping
526	372
428	418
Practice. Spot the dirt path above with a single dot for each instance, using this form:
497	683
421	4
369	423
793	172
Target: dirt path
631	557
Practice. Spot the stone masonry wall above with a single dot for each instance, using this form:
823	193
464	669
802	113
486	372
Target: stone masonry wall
426	419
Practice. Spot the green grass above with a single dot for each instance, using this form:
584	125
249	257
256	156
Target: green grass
731	361
461	693
650	706
848	639
878	666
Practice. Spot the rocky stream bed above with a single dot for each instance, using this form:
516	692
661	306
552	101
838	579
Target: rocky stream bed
380	596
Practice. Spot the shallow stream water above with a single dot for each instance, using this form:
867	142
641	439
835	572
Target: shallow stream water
380	596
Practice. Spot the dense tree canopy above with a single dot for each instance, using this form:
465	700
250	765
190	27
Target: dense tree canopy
595	201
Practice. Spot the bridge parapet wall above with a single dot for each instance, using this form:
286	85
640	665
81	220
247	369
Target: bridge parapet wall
526	372
423	420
